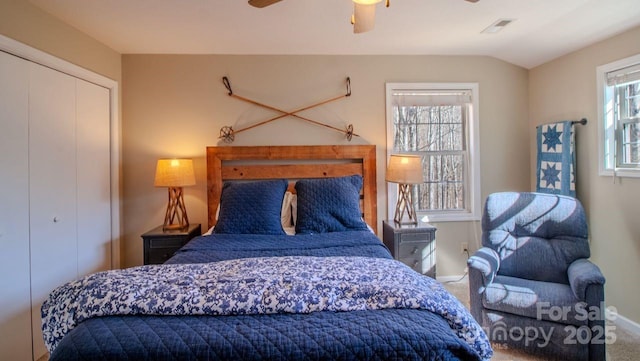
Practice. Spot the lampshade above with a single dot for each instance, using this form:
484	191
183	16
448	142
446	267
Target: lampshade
405	169
174	173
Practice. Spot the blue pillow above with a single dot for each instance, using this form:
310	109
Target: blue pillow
329	205
251	207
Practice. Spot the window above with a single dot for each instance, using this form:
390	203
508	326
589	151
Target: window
439	122
619	117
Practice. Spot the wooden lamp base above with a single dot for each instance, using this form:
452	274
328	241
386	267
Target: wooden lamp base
176	215
405	205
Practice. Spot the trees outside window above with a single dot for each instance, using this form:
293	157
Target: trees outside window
439	123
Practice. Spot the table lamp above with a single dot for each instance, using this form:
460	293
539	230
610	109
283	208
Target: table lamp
175	174
406	170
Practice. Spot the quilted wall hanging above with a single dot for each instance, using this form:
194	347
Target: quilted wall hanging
556	165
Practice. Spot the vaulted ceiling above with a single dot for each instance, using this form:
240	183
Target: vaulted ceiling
541	30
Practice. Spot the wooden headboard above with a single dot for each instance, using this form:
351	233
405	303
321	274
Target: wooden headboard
292	163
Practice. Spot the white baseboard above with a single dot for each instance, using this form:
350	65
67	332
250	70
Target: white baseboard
456	278
627	324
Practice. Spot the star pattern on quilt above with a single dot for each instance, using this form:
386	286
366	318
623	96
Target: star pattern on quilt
552	137
556	158
550	176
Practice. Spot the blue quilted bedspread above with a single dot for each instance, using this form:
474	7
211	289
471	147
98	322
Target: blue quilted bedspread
270	308
220	247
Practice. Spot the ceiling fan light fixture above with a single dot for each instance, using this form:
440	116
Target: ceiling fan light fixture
366	2
364	17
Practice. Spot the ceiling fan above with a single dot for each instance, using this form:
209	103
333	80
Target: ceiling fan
363	17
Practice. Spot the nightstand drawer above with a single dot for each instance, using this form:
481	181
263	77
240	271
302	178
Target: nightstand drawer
160	255
408	250
411	254
166	242
160	245
416	237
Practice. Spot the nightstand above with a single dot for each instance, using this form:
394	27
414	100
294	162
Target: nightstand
160	245
413	245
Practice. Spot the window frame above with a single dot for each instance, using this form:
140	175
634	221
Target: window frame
472	211
608	134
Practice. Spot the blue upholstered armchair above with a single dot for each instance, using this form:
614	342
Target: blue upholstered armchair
531	284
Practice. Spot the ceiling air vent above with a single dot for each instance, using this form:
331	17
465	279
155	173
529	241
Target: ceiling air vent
497	26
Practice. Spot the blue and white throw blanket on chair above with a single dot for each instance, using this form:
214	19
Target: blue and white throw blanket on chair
556	164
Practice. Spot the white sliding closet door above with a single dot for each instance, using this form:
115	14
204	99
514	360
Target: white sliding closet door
52	187
15	306
93	178
56	176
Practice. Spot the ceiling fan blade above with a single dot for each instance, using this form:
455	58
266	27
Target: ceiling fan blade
262	3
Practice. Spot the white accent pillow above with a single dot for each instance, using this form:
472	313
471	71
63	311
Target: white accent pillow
294	209
285	213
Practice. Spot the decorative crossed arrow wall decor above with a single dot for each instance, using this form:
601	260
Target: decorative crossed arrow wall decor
227	133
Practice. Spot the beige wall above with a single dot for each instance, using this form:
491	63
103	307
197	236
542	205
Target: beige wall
174	106
566	89
30	25
25	23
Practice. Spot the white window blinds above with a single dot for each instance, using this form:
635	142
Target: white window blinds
431	98
623	76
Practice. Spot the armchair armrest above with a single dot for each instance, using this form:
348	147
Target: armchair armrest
486	261
582	274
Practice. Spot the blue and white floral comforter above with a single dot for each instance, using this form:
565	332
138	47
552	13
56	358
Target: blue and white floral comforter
265	285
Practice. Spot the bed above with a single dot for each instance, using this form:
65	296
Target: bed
291	269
